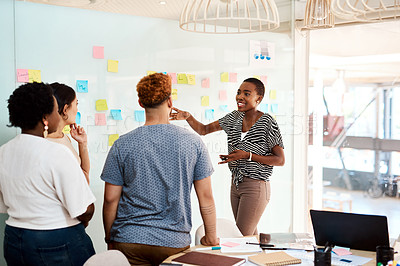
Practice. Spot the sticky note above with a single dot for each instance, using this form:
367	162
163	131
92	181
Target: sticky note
112	66
182	78
224	77
34	76
98	52
22	75
174	94
274	108
232	77
264	108
173	78
272	94
66	129
150	72
205	83
210	114
230	244
223	95
139	116
112	138
264	80
116	114
78	118
257	77
82	86
205	100
341	251
191	79
100	119
101	105
224	108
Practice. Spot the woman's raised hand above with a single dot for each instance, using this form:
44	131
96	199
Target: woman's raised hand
78	133
178	114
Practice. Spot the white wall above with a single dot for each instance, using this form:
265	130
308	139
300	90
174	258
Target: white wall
58	41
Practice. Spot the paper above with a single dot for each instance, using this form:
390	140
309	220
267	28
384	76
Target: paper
274	108
264	80
182	79
66	129
100	119
238	245
205	100
101	105
139	116
224	108
272	94
264	107
210	114
116	114
173	78
223	96
191	79
205	83
78	118
112	66
224	77
174	94
82	86
230	244
261	53
232	77
34	76
22	75
341	251
150	72
112	138
98	52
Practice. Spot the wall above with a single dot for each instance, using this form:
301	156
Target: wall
58	41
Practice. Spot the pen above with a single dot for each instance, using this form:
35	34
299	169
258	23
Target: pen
261	244
209	248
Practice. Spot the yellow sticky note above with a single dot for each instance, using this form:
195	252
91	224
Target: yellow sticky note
66	129
272	94
101	105
205	100
112	138
150	72
182	79
224	77
34	76
174	94
112	66
191	79
257	77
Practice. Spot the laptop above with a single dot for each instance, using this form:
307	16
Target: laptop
356	231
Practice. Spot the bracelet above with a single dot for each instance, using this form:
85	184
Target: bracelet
250	156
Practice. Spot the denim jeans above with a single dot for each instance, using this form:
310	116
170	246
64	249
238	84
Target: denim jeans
59	247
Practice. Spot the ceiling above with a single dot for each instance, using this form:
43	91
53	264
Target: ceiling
368	53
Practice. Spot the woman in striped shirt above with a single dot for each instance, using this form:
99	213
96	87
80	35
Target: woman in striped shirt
254	145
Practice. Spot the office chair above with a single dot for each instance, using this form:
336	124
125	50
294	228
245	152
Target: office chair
108	258
225	228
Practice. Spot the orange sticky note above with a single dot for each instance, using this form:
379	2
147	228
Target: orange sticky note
112	66
100	119
205	83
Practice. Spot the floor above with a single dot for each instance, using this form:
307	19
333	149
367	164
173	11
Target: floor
364	204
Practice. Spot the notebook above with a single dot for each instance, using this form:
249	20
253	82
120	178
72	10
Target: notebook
356	231
275	258
208	259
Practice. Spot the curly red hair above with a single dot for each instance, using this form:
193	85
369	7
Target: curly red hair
154	89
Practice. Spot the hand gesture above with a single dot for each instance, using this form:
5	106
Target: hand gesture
234	156
78	133
179	114
209	241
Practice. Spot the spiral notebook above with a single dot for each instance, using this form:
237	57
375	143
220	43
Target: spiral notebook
275	258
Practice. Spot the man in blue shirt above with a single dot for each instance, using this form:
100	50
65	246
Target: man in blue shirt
149	173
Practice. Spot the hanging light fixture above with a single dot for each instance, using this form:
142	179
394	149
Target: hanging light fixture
318	14
229	16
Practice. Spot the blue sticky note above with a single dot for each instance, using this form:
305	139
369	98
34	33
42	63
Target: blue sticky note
274	108
116	114
224	108
139	116
264	108
82	86
78	118
210	114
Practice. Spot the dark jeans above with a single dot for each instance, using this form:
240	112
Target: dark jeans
59	247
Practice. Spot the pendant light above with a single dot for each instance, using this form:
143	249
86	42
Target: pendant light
318	14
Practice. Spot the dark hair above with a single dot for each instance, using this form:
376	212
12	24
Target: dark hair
154	89
259	85
64	95
29	103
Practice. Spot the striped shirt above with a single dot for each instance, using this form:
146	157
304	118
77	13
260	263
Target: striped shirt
260	139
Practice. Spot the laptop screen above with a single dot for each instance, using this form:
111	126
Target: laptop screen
356	231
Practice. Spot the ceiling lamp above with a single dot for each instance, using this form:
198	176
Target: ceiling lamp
229	16
318	14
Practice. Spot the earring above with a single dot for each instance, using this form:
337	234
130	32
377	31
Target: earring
46	127
257	101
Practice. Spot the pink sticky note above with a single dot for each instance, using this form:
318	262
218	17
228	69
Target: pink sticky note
100	119
230	244
341	251
264	80
232	77
22	75
205	83
223	95
173	78
98	52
